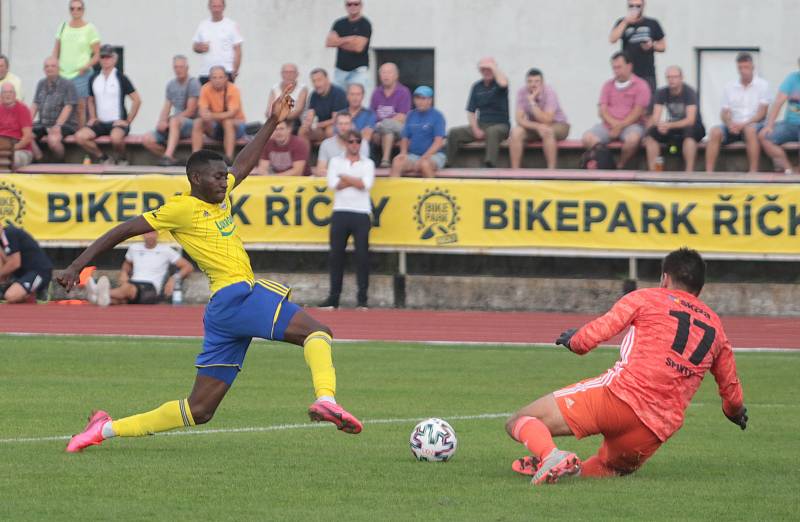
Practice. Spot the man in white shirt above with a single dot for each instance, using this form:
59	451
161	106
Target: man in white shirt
744	106
350	177
219	41
336	145
143	276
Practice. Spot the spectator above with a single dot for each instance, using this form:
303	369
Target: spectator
7	76
221	116
774	135
422	138
539	118
176	120
25	270
744	106
219	41
78	51
623	102
55	102
350	176
326	100
489	98
285	154
16	123
142	276
107	113
641	37
350	35
363	118
683	127
289	75
391	103
337	145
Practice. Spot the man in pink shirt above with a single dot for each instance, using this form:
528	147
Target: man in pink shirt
16	123
623	104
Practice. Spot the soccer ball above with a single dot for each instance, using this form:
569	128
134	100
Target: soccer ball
433	440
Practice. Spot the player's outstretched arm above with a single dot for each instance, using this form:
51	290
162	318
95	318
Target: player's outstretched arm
133	227
248	158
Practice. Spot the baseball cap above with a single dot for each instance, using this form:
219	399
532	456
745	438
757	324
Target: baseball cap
106	50
424	91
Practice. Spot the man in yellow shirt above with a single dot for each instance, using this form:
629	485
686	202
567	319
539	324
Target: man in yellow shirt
240	308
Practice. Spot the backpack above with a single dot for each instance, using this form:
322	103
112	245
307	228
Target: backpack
598	158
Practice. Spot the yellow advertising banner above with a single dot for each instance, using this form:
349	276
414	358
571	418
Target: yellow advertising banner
441	214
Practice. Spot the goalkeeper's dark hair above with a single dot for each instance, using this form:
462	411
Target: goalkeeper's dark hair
201	160
686	268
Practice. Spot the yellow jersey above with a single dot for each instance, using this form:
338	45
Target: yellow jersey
207	232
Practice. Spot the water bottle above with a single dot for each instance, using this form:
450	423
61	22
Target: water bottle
177	291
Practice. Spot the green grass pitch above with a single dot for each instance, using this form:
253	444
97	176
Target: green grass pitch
709	471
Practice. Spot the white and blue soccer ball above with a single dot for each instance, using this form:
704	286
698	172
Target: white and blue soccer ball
433	440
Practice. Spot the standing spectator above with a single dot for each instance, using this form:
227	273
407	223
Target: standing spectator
363	118
78	51
107	113
16	123
177	114
326	100
744	106
350	176
55	102
683	127
774	135
623	102
7	76
350	35
284	154
337	145
289	75
539	118
489	99
219	41
221	116
641	37
25	270
422	138
391	103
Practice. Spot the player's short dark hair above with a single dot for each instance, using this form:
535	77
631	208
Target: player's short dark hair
319	70
200	161
744	56
621	54
687	268
535	72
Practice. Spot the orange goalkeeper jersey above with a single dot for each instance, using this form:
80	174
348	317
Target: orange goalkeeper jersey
674	338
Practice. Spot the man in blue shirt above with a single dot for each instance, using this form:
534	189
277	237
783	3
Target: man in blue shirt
363	117
422	138
774	135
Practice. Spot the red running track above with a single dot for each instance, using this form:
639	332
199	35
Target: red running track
374	324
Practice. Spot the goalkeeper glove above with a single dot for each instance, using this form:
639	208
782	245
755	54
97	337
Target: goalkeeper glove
740	418
566	337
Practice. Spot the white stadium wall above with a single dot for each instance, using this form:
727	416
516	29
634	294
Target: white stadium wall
568	40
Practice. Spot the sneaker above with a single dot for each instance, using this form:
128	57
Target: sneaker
166	161
107	160
91	290
329	412
526	465
92	434
329	304
556	465
123	163
103	291
385	164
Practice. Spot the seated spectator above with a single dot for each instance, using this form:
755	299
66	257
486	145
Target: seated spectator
7	76
337	145
326	100
489	99
422	139
176	120
221	116
744	106
683	127
539	118
16	123
107	113
391	102
363	118
774	135
55	102
623	102
143	276
289	75
25	270
284	154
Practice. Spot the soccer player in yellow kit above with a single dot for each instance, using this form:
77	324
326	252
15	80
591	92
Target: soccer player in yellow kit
240	308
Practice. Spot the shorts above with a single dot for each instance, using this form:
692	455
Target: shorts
234	315
81	83
40	131
728	137
560	132
389	126
591	410
359	75
676	136
785	132
146	293
438	159
601	131
104	128
33	282
218	132
185	132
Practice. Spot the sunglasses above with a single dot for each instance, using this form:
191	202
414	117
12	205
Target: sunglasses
76	8
106	55
354	141
634	6
353	4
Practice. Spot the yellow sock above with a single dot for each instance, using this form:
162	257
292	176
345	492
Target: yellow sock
168	416
317	351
